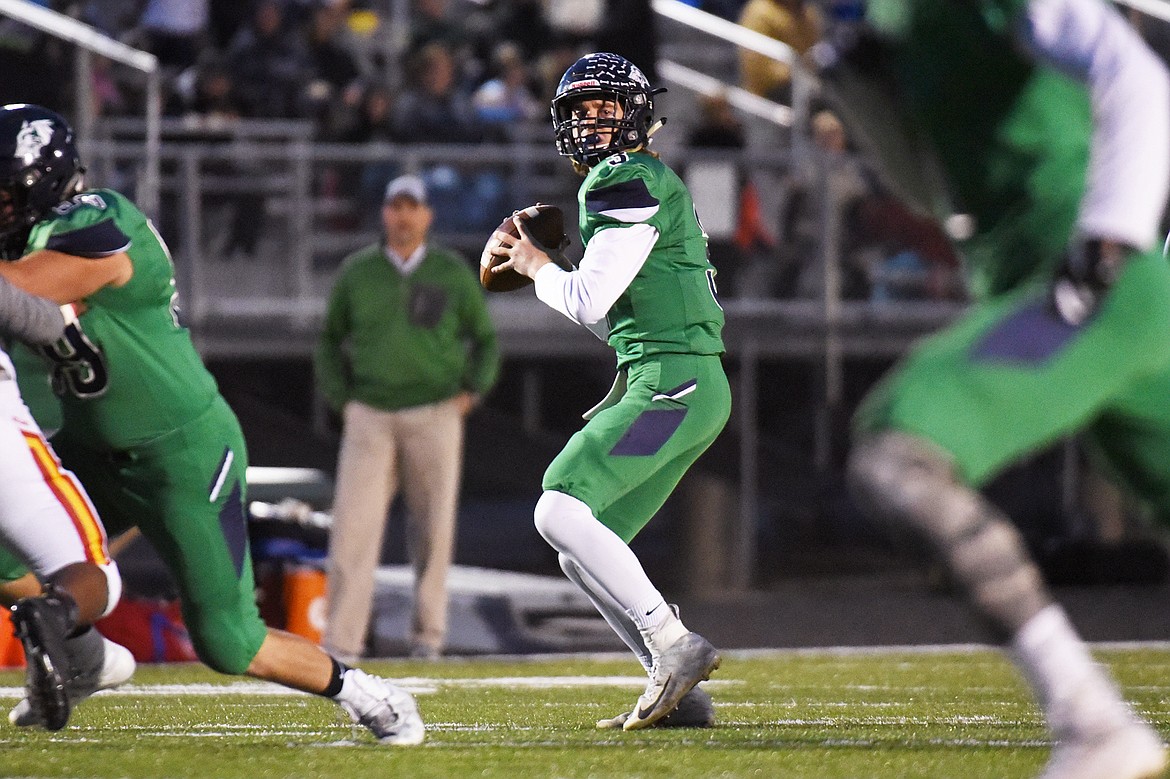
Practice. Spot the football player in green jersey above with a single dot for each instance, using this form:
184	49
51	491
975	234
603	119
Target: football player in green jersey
143	424
644	284
1039	130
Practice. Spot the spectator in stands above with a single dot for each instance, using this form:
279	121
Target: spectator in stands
206	96
463	27
506	100
435	108
111	17
718	126
269	64
794	22
575	21
373	123
175	31
226	19
799	270
562	52
432	20
525	23
918	260
109	96
407	350
335	87
628	29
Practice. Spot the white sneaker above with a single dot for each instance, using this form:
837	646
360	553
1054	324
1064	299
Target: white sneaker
1132	752
694	710
684	664
388	712
116	669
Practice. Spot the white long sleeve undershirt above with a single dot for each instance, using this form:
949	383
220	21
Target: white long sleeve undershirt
612	259
1129	163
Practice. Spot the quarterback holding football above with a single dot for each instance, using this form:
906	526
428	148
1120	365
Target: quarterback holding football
645	284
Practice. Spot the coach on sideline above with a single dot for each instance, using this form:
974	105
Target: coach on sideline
407	350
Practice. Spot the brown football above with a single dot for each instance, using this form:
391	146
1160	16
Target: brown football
546	223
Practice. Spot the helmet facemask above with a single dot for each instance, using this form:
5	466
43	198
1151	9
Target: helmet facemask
616	125
620	109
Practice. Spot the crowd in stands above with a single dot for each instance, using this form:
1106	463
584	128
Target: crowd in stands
450	71
470	71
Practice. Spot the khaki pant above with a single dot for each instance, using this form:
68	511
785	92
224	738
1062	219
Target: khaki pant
421	449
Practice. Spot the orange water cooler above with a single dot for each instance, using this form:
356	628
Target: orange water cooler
304	600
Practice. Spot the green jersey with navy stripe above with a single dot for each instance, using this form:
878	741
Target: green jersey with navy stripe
127	372
671	305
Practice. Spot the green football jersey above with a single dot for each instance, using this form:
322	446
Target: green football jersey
965	121
671	306
127	372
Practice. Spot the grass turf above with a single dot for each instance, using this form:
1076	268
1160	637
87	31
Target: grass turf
862	715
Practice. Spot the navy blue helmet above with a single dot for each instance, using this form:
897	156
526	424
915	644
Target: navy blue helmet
603	76
39	165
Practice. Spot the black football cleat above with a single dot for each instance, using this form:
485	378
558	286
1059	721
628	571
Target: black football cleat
43	624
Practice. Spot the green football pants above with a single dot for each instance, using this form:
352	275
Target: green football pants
628	458
1011	378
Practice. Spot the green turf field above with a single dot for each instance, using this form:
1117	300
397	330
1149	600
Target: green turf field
864	715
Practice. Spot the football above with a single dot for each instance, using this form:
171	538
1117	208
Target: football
546	223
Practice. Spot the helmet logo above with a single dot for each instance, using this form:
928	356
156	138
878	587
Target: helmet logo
33	137
588	82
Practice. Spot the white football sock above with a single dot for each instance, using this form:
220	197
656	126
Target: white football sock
614	614
1076	694
657	622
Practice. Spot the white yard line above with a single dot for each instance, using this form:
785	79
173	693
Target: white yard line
415	684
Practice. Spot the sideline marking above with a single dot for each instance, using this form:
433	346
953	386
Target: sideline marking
414	684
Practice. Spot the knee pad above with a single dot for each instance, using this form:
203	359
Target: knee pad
910	485
896	478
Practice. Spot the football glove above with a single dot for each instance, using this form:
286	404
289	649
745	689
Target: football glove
1085	277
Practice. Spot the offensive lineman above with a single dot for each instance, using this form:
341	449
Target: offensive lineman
1046	123
144	426
645	283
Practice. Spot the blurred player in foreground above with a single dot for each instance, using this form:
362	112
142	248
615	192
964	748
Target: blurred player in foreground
1044	123
644	283
144	426
46	520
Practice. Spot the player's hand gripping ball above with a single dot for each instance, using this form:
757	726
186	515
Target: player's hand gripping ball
546	224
